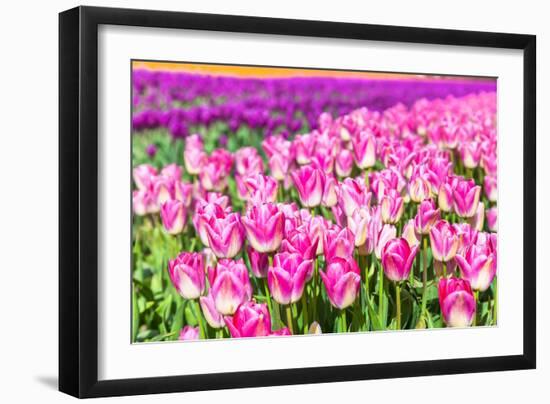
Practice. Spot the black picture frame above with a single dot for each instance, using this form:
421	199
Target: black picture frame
78	200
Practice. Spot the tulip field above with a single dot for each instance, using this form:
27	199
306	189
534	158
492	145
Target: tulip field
268	205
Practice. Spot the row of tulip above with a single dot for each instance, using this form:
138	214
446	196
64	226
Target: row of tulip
186	102
373	221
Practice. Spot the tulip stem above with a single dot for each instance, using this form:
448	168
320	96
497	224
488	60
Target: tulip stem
289	318
495	302
304	312
197	312
380	291
219	333
424	272
268	296
398	304
476	298
343	323
444	269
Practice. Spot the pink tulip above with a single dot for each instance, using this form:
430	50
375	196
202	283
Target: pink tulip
194	156
426	216
187	274
225	234
364	149
478	265
261	189
264	226
282	332
352	195
409	234
391	207
457	302
211	314
299	241
397	259
445	195
214	172
204	213
248	161
478	219
287	277
310	184
382	181
279	166
492	219
142	202
467	236
339	243
303	147
183	192
470	152
144	175
189	333
174	216
342	280
250	320
172	171
230	285
387	233
419	188
490	187
163	190
344	163
330	197
444	241
466	197
358	223
258	262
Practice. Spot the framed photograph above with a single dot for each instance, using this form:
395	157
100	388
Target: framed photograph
251	201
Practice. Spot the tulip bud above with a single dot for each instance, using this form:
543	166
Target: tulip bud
466	198
264	226
397	259
287	277
174	216
387	233
250	320
342	280
492	219
444	241
187	274
391	207
364	148
426	216
230	285
344	163
310	184
225	234
457	302
478	265
258	262
211	314
189	333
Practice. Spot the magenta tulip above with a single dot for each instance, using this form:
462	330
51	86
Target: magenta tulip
174	216
230	285
189	333
342	280
187	274
444	241
343	163
211	314
492	218
352	195
264	226
385	234
419	188
261	189
250	320
338	243
427	214
466	198
478	265
410	234
310	184
397	259
225	234
144	175
330	197
457	302
391	207
490	187
304	147
259	262
194	156
364	149
287	277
